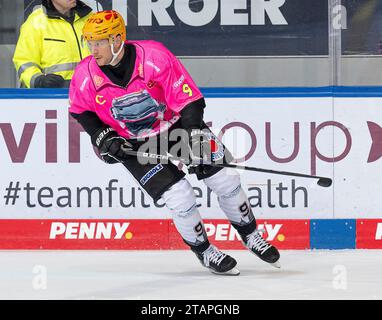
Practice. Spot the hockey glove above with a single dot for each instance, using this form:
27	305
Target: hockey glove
109	144
49	81
200	147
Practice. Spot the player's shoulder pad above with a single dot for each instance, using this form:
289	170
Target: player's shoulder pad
157	58
81	78
154	49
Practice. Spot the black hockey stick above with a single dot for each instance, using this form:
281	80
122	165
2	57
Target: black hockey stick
322	181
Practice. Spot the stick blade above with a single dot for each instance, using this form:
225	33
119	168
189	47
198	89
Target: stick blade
324	182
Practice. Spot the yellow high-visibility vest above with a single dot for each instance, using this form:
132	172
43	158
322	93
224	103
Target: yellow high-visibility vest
49	44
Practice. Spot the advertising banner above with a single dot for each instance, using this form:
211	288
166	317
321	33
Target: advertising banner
137	234
50	169
369	234
362	35
224	27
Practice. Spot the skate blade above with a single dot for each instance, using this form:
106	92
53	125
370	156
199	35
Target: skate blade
276	264
232	272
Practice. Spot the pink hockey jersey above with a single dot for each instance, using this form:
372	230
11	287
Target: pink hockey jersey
159	88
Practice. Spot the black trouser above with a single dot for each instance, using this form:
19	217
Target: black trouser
156	178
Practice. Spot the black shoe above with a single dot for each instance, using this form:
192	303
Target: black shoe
263	249
218	262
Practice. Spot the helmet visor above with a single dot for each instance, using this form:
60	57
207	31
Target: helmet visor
97	44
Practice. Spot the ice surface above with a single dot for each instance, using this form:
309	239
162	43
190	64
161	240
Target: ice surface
173	275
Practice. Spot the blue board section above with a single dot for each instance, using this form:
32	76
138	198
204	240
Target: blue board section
332	234
276	92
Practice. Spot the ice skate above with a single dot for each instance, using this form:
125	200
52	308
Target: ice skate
218	262
263	249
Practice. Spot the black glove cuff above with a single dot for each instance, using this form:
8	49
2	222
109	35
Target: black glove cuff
100	135
192	114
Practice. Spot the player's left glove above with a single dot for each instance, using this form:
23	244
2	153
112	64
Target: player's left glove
200	147
109	144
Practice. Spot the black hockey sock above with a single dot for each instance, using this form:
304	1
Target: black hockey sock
245	229
198	248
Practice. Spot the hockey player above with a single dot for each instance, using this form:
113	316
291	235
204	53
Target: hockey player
130	92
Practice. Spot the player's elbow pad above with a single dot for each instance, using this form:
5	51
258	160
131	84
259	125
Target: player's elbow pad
89	121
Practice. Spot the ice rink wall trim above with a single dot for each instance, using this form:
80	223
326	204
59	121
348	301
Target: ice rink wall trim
266	92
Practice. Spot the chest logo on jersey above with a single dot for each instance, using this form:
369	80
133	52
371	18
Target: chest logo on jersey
100	100
137	112
98	80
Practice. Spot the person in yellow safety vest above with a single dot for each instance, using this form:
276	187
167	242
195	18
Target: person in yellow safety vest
50	44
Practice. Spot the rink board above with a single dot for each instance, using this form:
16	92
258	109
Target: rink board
161	234
51	174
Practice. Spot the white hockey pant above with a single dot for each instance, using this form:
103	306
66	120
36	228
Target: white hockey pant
181	201
231	196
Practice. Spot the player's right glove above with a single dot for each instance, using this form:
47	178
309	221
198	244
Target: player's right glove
109	144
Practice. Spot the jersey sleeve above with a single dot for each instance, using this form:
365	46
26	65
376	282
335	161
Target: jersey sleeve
178	86
80	92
